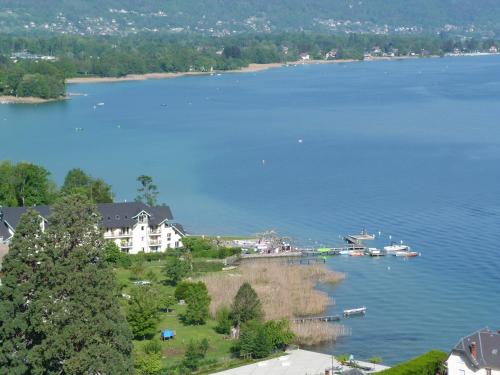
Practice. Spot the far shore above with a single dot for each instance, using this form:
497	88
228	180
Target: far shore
251	68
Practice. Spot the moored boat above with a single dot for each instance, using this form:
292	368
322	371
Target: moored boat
394	248
357	311
374	252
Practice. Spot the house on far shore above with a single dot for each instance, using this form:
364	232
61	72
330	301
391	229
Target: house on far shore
305	56
135	227
493	49
478	353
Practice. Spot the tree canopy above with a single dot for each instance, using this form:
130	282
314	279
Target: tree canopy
246	305
75	324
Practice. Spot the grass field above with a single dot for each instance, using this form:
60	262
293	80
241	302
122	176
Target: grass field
173	350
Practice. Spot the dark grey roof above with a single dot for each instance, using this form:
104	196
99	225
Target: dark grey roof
488	349
179	228
114	215
4	232
11	215
118	215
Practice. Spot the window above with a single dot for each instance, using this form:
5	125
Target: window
461	372
117	217
142	228
176	244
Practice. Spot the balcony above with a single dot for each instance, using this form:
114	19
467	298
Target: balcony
154	243
118	234
126	245
154	232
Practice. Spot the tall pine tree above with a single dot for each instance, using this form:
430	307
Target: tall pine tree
17	293
74	323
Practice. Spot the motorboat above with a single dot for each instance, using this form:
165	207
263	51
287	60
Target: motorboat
357	311
374	252
393	248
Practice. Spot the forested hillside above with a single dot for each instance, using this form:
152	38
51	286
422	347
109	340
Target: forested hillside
228	16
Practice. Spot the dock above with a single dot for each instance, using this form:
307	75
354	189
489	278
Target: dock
357	239
328	318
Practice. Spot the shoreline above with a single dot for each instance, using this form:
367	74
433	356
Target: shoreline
251	68
6	99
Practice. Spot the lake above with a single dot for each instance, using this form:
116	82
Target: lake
410	149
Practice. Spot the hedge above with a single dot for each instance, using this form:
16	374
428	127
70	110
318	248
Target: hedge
427	364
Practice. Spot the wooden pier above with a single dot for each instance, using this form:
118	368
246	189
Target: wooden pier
314	260
328	318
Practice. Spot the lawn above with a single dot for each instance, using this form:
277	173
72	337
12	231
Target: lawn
173	350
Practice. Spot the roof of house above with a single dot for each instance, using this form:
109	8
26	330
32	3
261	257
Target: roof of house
114	215
118	215
487	347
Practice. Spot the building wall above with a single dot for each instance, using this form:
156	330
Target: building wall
144	237
457	366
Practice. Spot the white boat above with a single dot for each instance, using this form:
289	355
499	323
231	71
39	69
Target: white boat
100	104
408	254
345	252
374	252
357	311
394	248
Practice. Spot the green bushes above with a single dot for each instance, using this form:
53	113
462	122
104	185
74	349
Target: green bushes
259	340
427	364
207	248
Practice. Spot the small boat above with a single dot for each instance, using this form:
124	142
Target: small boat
344	252
357	311
100	104
356	253
408	254
374	252
393	248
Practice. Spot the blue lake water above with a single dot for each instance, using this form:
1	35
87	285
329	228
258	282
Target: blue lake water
407	148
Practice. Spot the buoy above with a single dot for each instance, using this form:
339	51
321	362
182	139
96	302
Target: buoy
300	140
263	162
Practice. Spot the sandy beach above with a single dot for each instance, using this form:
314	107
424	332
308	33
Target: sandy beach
251	68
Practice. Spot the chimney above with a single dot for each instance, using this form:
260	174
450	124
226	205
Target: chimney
473	350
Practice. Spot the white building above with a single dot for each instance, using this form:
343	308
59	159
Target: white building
478	354
134	227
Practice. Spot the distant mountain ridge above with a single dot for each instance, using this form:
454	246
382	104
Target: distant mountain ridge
229	16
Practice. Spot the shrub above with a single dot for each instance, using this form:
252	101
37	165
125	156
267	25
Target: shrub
224	321
259	340
195	352
427	364
375	360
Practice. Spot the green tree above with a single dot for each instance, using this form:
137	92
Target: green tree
7	189
246	305
114	256
224	321
31	184
148	363
181	290
18	290
198	302
280	333
143	312
147	192
77	181
176	269
195	353
75	314
254	341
